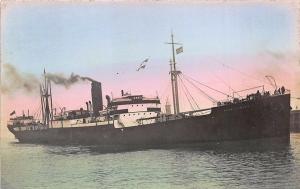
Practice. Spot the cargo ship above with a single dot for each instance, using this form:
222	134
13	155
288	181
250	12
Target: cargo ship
139	120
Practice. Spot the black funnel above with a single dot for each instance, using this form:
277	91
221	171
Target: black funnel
97	102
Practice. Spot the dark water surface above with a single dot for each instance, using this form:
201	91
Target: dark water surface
255	164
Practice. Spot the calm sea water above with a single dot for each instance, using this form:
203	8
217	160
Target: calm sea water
255	164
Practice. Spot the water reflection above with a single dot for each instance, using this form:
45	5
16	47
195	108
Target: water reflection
264	163
260	145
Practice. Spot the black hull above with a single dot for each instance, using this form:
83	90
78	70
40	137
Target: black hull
267	117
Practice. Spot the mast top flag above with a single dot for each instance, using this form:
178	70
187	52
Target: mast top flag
179	50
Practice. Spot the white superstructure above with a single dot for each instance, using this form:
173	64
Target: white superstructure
134	110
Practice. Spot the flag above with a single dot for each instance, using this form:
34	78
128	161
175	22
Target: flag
12	113
179	50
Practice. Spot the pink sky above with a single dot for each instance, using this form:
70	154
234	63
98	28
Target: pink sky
284	69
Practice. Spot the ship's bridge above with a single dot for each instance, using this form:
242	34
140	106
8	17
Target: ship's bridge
134	99
134	103
130	108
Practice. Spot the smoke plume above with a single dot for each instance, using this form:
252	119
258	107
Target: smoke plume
61	79
13	80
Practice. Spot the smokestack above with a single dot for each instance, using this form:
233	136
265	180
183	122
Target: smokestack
87	106
122	92
97	102
108	100
90	106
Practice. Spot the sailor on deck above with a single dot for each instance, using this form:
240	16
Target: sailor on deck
282	90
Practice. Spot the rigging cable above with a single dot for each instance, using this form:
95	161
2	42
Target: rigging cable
185	76
240	72
271	79
188	92
225	83
207	96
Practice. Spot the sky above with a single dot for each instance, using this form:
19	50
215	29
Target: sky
226	45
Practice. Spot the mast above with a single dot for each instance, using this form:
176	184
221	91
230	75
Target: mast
51	107
172	83
45	87
174	74
42	102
